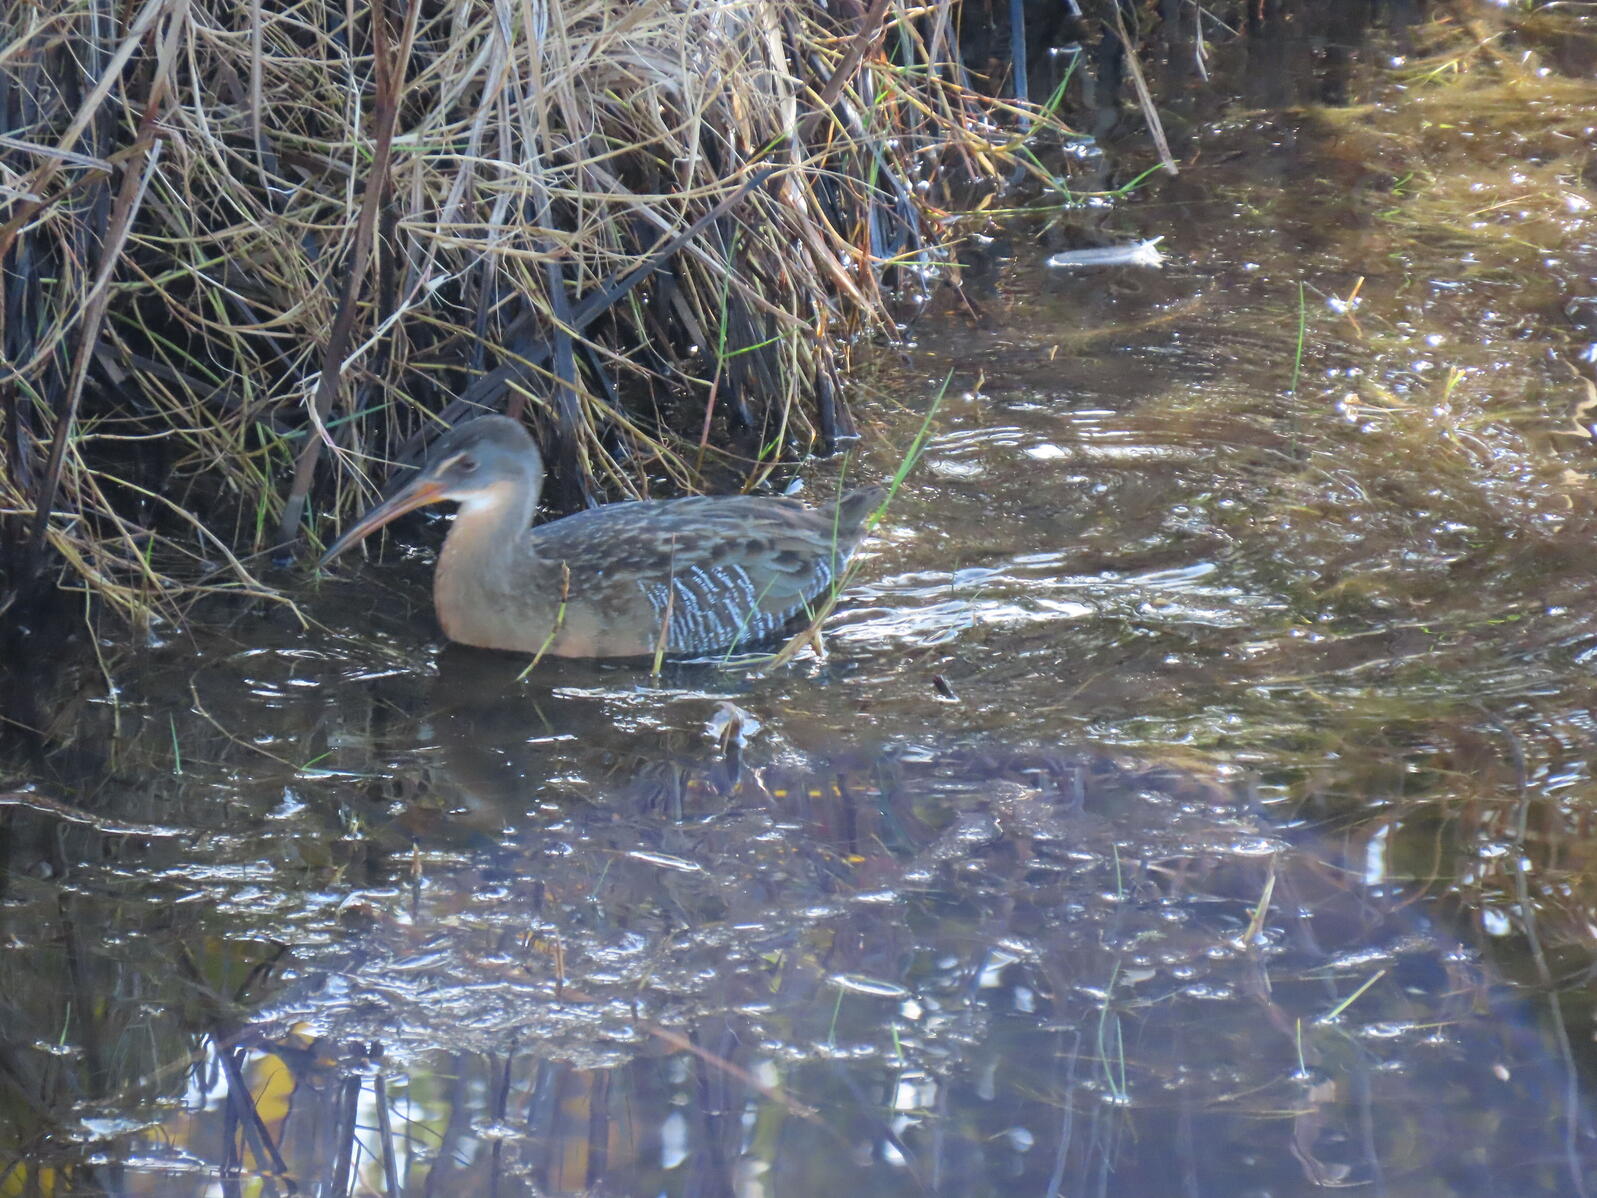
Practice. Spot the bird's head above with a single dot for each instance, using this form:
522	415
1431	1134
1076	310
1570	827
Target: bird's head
483	463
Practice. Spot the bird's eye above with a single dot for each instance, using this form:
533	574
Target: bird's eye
466	465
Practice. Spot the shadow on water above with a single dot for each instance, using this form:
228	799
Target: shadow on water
1196	801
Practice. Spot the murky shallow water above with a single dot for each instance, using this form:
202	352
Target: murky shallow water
1196	800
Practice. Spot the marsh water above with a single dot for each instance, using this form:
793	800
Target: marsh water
1196	797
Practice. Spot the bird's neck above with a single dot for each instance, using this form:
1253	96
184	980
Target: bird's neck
485	556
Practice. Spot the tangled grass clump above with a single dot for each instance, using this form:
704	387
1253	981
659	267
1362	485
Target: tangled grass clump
255	254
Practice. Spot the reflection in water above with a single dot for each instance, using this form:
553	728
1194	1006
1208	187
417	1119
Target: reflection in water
957	973
1294	888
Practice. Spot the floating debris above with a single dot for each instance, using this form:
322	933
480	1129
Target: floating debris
859	984
1136	253
730	725
666	861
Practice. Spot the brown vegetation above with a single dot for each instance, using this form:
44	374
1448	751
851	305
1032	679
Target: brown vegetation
254	254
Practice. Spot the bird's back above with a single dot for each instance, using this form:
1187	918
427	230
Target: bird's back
718	571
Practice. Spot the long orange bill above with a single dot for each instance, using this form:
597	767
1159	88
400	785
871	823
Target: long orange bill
418	494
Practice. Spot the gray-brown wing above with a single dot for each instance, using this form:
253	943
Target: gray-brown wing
726	570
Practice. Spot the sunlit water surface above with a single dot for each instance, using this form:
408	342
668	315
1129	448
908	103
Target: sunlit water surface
1196	799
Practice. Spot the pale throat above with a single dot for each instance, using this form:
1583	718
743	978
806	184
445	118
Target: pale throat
499	501
485	555
488	535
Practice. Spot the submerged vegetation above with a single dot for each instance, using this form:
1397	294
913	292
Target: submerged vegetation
254	255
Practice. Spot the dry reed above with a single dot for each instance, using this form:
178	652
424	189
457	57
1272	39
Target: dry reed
255	254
